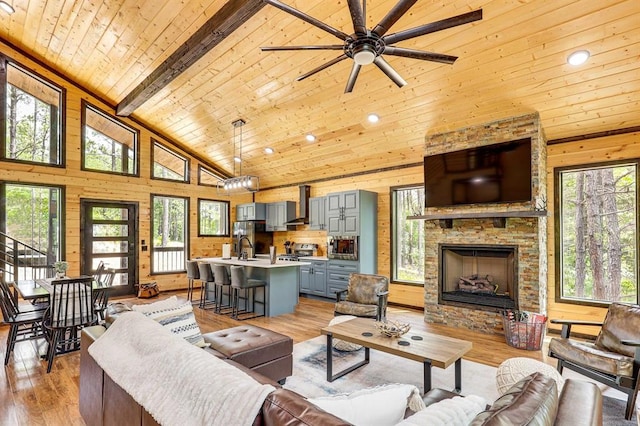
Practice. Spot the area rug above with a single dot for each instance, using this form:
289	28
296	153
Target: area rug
310	377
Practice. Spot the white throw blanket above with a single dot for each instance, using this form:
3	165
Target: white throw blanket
176	382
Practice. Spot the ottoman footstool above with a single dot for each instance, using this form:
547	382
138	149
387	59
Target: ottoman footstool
264	351
513	370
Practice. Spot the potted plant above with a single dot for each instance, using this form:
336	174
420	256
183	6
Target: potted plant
61	268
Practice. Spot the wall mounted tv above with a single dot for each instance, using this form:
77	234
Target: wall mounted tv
496	173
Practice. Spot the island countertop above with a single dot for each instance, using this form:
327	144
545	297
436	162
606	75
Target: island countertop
257	262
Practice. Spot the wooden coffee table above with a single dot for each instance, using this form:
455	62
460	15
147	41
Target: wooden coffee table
432	350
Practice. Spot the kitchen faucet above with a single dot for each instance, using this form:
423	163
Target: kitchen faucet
242	254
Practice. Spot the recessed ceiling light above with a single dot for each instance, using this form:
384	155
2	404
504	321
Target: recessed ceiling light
269	150
373	118
578	58
237	159
310	137
7	7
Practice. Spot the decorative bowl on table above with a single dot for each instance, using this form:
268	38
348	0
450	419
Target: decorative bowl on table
392	328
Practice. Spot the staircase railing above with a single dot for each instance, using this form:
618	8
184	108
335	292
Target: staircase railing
20	261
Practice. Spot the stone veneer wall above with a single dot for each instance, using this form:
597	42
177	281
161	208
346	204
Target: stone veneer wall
528	233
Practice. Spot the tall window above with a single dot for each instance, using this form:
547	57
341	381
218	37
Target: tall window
32	215
213	218
32	117
107	144
407	236
597	233
169	165
170	233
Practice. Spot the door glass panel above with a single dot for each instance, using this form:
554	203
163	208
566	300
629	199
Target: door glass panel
109	213
121	279
110	247
110	230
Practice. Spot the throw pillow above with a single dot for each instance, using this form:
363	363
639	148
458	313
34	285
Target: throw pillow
379	406
176	316
457	411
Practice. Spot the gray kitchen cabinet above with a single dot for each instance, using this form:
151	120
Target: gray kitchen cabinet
313	278
278	214
317	213
346	211
338	272
251	211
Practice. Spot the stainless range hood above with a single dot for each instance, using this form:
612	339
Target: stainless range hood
303	213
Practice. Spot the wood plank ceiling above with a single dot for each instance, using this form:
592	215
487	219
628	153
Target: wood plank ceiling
511	62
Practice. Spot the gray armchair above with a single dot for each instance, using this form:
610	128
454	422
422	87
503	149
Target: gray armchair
613	358
366	296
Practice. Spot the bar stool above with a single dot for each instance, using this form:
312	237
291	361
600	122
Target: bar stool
193	273
222	280
239	282
206	277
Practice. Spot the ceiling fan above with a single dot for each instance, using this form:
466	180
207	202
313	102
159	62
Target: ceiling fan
366	46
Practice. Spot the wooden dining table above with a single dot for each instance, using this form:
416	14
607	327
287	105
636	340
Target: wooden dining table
41	288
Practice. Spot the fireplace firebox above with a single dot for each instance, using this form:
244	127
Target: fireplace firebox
478	276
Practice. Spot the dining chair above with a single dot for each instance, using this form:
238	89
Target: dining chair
12	298
23	326
70	309
101	294
98	274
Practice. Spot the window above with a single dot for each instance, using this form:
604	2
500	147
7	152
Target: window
170	233
107	144
168	165
33	115
597	233
213	218
207	177
32	215
407	236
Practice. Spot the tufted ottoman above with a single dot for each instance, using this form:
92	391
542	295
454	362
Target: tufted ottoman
264	351
513	370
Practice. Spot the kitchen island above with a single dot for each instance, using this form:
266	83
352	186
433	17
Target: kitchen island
282	279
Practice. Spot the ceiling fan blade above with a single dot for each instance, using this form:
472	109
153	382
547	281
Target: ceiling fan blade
392	17
325	47
355	70
454	21
309	19
419	54
323	66
389	71
357	16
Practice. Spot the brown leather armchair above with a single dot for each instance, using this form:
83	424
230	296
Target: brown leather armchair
614	357
366	297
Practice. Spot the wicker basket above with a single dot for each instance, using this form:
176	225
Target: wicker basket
524	330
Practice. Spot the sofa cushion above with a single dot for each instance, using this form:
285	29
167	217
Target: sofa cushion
380	406
621	323
284	407
176	316
456	411
591	356
531	401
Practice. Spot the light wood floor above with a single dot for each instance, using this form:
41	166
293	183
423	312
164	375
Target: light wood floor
30	396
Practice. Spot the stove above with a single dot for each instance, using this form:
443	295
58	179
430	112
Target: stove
300	250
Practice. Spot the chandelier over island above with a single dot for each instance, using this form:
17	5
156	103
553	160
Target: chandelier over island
238	183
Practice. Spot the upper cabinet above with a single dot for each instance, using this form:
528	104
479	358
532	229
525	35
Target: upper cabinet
317	214
251	211
346	211
278	214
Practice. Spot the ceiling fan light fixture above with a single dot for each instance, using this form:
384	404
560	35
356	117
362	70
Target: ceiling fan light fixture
7	7
578	57
364	54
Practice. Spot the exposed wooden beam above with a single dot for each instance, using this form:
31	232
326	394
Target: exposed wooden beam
231	16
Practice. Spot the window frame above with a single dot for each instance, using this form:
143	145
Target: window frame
204	169
228	218
559	298
187	233
5	62
393	240
187	162
83	121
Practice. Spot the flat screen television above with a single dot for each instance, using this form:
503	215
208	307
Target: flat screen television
496	173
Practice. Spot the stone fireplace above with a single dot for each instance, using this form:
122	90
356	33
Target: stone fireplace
506	242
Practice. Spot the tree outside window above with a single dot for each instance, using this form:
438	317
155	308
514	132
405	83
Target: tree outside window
598	233
170	233
32	118
407	237
213	218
